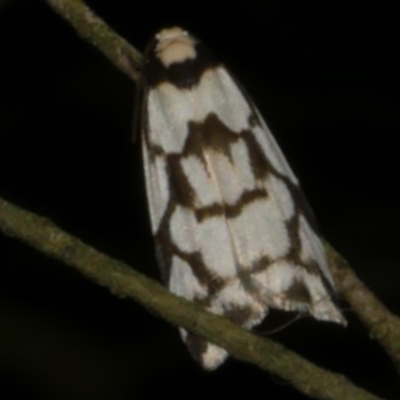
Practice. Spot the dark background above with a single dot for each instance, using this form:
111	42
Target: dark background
326	78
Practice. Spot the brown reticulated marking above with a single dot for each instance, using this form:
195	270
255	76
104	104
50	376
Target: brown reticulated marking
210	134
261	264
167	249
260	165
180	189
293	255
292	226
300	201
213	283
230	210
298	292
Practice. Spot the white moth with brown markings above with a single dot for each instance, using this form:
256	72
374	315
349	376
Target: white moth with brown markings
233	231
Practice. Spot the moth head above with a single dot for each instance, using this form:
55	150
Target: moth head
174	45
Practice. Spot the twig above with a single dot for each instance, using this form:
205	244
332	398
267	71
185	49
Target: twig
123	281
383	325
96	32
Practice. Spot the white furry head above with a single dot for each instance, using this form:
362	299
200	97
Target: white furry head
174	45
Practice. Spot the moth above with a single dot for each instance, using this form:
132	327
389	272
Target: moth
232	228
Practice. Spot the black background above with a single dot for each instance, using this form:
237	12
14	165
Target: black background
326	79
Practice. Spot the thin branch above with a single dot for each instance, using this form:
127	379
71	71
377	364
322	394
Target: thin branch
96	32
383	325
123	281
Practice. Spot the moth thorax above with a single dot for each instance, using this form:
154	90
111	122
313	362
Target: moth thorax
174	45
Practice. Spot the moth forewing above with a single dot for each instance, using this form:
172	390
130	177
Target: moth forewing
231	225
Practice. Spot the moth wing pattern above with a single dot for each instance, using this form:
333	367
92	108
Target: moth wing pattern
232	228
